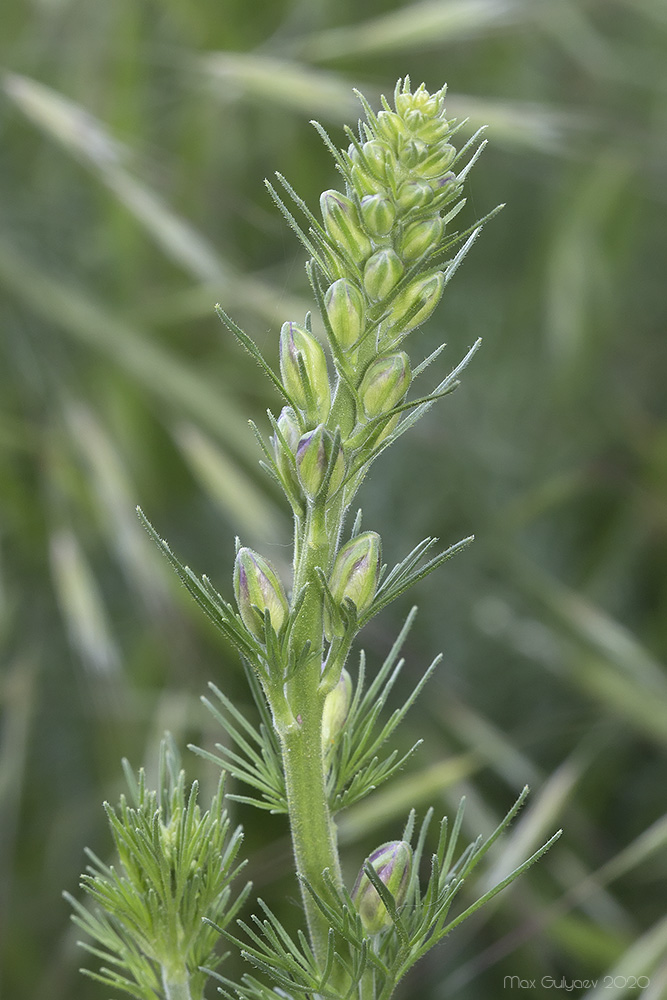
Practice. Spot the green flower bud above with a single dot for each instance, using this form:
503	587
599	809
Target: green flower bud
413	194
412	152
420	238
385	383
433	131
438	162
336	706
378	214
257	588
414	119
296	342
341	221
378	158
424	294
383	271
313	455
363	183
393	864
390	126
356	573
346	310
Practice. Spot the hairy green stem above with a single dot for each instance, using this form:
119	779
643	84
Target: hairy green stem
313	831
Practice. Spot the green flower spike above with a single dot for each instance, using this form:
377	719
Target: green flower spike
379	261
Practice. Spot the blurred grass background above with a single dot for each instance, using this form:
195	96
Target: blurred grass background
135	137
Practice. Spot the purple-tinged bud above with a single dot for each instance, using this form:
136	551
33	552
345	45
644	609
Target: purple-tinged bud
445	188
385	383
438	162
288	425
393	864
382	273
336	706
313	456
413	306
296	342
341	221
257	588
345	307
413	194
378	214
420	239
356	573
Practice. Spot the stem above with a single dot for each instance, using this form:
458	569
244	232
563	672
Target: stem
313	831
176	984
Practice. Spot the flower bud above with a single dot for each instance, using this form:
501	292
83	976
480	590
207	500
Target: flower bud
257	588
412	152
393	864
413	194
313	455
424	294
429	104
438	162
385	383
346	311
336	706
341	221
414	119
288	425
378	214
296	342
434	130
420	238
383	271
445	188
377	158
363	182
355	574
390	126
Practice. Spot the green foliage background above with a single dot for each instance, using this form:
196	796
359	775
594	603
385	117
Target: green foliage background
135	137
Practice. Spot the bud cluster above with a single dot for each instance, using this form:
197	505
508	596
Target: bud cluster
377	250
377	240
399	181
